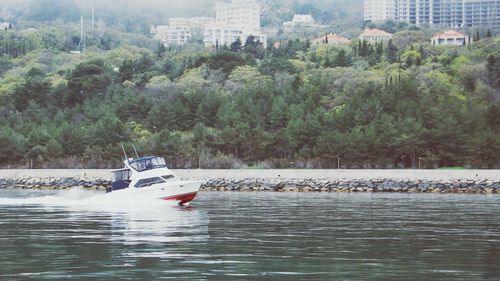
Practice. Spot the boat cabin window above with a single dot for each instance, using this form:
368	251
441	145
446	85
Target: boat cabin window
168	177
148	182
121	175
148	164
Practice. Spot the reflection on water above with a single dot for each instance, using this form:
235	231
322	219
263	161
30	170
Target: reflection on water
251	236
77	233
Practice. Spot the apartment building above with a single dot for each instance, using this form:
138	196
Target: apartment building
300	21
171	35
234	20
481	12
179	30
453	13
192	23
379	10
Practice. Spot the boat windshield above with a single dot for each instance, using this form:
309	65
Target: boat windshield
148	163
121	175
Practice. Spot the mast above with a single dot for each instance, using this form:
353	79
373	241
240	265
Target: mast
93	19
124	153
81	28
137	155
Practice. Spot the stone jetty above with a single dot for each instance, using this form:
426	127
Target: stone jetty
410	181
354	185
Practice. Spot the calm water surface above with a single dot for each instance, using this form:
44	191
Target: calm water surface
250	236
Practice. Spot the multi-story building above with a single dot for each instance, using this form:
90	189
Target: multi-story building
192	23
446	12
234	20
171	35
453	13
179	30
300	21
414	11
481	12
379	10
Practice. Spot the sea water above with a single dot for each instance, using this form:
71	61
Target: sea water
250	236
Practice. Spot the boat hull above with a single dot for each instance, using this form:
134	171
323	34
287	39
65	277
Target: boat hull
177	191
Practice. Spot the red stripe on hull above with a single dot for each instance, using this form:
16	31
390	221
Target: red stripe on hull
183	198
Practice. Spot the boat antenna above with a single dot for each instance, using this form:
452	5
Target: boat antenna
124	153
135	151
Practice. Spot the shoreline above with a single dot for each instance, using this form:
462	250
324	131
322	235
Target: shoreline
401	181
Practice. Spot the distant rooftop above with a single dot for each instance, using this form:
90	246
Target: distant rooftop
331	38
449	34
375	32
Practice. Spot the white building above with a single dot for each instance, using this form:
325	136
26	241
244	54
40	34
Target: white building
179	30
450	37
234	20
375	35
481	13
379	10
171	35
453	13
4	26
300	21
192	23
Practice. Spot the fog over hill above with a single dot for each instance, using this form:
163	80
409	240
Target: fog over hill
135	15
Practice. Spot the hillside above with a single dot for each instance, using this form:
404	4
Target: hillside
372	105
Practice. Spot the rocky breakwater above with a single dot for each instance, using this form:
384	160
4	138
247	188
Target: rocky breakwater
54	183
350	185
485	186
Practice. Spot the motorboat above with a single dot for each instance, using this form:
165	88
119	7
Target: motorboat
149	178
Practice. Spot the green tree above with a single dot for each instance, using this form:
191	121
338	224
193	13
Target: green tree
341	59
391	52
236	46
36	88
88	80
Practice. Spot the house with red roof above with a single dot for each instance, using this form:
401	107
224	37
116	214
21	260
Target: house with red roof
331	38
451	38
375	35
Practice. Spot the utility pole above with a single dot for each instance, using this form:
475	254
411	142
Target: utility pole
81	46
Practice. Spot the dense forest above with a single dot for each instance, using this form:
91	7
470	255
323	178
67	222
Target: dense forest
383	105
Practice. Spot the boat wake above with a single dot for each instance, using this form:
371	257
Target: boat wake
79	197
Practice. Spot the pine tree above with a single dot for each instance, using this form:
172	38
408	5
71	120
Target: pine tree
341	59
422	51
379	51
161	50
364	50
391	52
493	68
488	34
236	46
